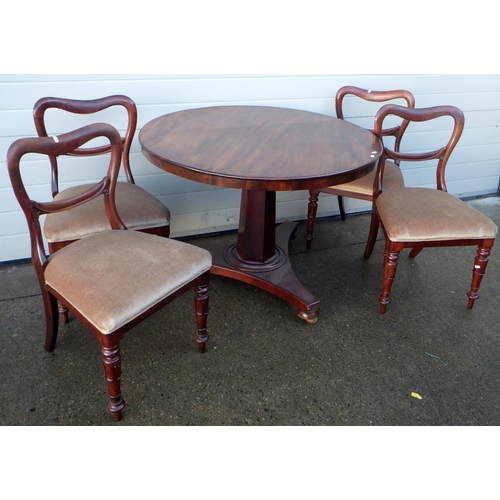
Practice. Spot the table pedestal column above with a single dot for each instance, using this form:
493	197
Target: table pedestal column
260	256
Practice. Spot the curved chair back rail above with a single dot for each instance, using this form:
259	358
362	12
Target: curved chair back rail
419	115
78	106
377	96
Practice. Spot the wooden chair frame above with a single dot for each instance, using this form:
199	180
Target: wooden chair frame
110	343
393	248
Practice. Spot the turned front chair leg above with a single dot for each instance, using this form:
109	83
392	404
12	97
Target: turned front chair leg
391	256
112	368
201	308
480	262
341	207
312	209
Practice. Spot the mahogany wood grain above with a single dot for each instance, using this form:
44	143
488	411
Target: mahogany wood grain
259	147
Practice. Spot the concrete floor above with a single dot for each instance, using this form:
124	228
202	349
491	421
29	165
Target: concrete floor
265	366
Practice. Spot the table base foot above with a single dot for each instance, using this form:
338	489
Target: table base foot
275	276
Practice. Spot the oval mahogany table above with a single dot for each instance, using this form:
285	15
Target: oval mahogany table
261	150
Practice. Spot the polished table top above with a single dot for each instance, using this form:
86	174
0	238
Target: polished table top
261	150
259	147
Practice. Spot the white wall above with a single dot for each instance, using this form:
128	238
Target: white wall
473	170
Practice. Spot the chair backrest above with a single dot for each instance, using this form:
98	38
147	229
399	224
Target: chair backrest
55	146
84	107
377	96
419	115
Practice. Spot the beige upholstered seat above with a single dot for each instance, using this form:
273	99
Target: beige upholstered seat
421	214
362	188
137	208
155	268
393	178
413	217
115	278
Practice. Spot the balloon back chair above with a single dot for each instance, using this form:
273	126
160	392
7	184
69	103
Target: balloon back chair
138	209
414	217
362	188
114	279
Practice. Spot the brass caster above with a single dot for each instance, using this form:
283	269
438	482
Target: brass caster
310	317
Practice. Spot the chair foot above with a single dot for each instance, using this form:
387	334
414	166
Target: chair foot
115	406
111	359
117	415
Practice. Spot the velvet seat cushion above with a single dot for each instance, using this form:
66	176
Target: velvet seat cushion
393	178
422	214
114	276
137	208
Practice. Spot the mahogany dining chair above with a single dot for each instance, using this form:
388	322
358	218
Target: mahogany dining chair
114	279
419	217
